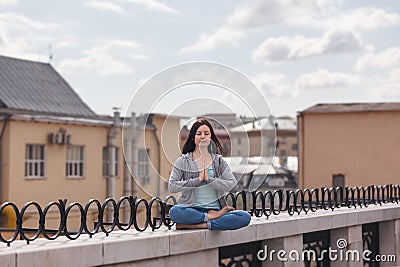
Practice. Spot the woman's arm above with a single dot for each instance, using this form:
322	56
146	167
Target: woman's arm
178	182
226	181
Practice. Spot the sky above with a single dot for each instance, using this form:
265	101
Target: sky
297	53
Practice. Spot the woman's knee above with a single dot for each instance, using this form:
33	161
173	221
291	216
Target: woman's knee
176	211
244	217
247	218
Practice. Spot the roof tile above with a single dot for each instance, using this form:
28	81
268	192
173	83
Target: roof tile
35	86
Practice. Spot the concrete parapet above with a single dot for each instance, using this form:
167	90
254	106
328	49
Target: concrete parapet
165	247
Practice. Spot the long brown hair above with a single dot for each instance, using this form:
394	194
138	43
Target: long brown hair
213	147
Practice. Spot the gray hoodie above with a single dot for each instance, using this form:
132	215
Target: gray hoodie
185	178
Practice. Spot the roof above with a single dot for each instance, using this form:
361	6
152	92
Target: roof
352	107
263	124
37	87
286	124
98	121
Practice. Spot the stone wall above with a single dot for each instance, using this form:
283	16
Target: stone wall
165	247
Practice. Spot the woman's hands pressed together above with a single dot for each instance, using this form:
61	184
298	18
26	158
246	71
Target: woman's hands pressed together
203	176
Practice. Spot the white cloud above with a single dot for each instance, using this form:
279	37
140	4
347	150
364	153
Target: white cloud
389	90
66	43
105	5
100	59
15	47
152	4
4	3
261	12
18	34
272	84
257	14
310	13
362	19
386	59
138	56
322	79
106	46
209	42
394	75
389	86
24	23
297	47
123	43
101	63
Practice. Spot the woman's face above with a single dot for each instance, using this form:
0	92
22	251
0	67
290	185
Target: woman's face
202	136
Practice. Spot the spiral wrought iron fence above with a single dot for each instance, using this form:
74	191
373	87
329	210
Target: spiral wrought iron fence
257	203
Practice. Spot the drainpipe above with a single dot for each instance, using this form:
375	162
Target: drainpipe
135	130
111	145
158	158
128	162
6	119
300	149
130	149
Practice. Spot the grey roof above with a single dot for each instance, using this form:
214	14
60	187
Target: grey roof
352	107
286	124
37	87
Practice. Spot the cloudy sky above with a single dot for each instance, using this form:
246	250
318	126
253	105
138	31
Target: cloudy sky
298	53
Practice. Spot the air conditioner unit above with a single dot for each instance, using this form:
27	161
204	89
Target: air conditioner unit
67	139
51	138
59	138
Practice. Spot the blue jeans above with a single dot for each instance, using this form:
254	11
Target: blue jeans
231	220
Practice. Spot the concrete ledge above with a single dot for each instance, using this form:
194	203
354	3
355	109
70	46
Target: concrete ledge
124	247
193	240
216	239
8	260
168	247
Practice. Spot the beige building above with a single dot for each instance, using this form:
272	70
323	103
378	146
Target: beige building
286	138
53	146
266	137
47	158
349	144
155	145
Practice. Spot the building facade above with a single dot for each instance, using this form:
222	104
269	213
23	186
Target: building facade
349	144
154	143
266	137
52	145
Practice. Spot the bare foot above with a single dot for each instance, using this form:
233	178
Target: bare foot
213	214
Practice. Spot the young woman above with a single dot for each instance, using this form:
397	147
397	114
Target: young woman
203	177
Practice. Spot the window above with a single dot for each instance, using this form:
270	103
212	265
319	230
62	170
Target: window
143	163
239	141
283	153
294	147
338	180
116	162
75	161
34	161
106	162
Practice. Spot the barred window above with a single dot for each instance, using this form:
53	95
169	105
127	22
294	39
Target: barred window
106	162
75	161
35	161
143	163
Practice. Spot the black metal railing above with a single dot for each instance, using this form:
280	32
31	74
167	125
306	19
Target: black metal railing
314	244
370	237
156	210
239	255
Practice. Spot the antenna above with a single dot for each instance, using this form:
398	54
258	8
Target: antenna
50	53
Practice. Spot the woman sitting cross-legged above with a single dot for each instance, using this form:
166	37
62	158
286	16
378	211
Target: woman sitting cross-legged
203	177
